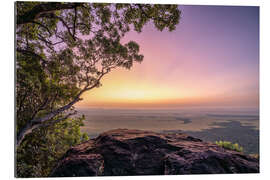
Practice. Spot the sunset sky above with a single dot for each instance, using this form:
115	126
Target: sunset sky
211	59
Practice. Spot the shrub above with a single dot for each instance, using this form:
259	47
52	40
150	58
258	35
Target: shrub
41	150
230	146
255	155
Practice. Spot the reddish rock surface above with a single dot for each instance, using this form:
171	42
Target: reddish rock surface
134	152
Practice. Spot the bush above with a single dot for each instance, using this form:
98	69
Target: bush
230	146
41	150
254	156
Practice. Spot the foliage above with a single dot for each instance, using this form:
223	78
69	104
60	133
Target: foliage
62	51
230	146
41	150
255	156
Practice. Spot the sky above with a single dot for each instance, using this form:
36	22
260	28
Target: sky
211	59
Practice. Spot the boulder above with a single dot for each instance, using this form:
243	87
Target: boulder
123	152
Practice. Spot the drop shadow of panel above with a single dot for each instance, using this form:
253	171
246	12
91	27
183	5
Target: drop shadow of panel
234	131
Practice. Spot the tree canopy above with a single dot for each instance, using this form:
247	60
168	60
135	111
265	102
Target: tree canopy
64	50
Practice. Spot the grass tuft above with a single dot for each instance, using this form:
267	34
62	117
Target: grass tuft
230	146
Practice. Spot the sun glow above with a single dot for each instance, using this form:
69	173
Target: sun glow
197	64
114	92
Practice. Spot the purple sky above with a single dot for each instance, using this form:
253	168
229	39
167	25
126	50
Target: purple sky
212	58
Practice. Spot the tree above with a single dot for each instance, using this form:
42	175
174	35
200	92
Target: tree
64	50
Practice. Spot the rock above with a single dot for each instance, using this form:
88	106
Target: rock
134	152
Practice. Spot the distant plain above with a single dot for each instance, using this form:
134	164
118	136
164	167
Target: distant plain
238	125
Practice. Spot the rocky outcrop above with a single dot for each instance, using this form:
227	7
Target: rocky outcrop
135	152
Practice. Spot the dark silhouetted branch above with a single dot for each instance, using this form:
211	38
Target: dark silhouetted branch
31	53
44	8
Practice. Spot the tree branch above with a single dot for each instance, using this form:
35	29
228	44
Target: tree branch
44	8
52	15
45	27
30	127
61	119
74	22
23	51
37	122
41	122
48	43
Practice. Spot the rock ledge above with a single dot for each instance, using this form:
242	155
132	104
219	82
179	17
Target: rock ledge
134	152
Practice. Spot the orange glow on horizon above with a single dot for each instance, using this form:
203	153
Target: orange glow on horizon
186	67
122	89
